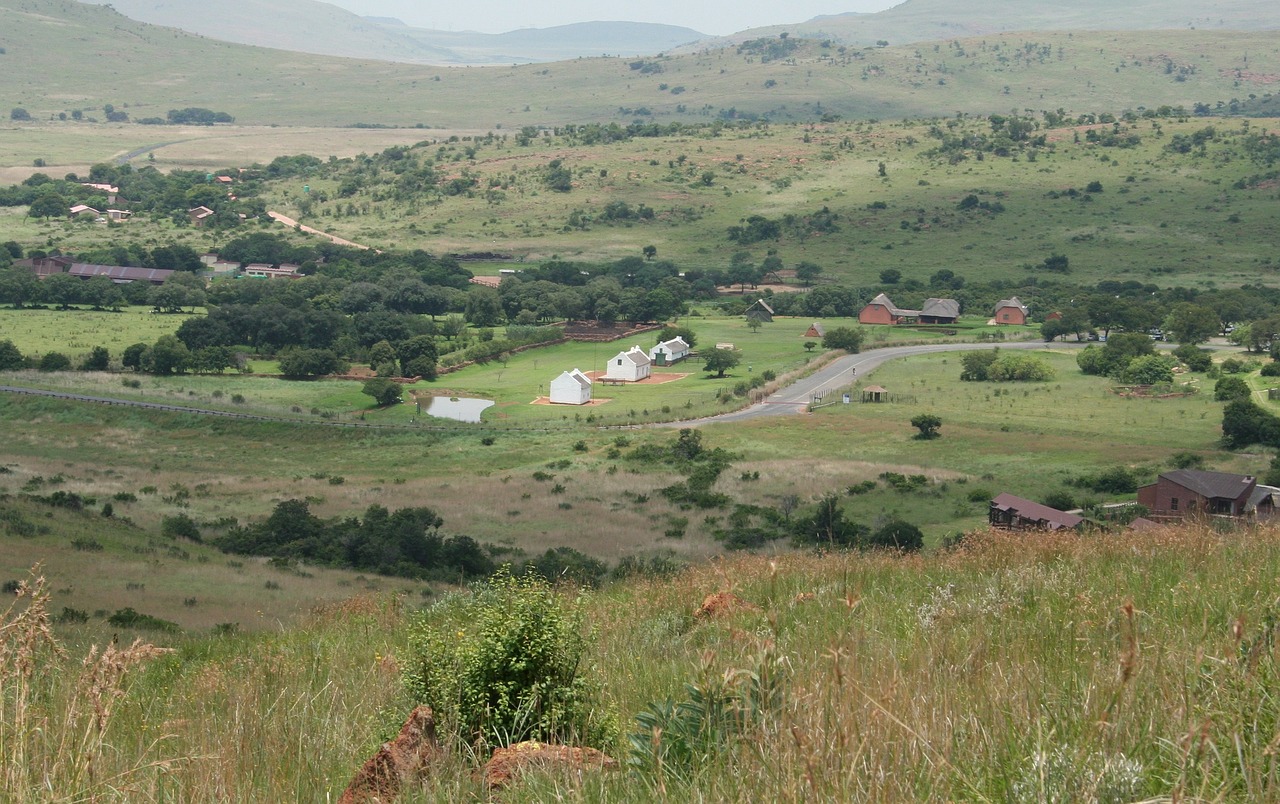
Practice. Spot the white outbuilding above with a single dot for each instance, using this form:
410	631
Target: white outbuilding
571	388
632	365
668	352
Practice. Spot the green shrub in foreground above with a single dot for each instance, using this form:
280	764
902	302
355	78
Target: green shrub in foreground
505	664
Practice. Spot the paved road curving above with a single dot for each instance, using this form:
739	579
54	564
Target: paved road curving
839	373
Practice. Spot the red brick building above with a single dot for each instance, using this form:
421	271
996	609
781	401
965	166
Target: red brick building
1010	311
1191	492
883	311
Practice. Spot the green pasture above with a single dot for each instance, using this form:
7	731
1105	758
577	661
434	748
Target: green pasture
1027	439
777	346
513	385
75	332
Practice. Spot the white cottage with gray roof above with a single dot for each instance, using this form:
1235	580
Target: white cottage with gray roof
571	388
632	365
668	352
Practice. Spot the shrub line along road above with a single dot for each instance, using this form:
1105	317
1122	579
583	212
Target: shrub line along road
792	399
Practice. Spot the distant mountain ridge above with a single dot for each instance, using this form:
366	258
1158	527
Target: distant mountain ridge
929	20
310	26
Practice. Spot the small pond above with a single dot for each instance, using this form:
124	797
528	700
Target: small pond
459	409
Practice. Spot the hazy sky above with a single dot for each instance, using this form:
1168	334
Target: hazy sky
716	17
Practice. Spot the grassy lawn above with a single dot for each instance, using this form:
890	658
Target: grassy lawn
776	347
74	333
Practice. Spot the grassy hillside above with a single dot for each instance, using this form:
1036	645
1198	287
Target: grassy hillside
106	564
1014	668
145	71
490	195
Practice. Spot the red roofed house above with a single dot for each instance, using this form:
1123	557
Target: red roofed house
883	311
1015	513
1010	311
1188	492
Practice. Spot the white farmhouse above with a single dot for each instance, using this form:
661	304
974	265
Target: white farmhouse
571	388
668	352
632	365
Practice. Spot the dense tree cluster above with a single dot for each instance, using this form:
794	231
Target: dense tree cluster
997	366
406	542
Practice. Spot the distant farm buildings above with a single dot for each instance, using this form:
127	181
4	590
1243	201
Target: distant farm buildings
48	266
200	216
882	310
760	311
259	270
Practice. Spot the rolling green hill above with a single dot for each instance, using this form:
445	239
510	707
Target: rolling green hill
145	71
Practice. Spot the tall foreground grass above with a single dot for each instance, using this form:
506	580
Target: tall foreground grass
1018	667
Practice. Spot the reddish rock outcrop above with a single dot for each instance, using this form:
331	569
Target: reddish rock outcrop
409	754
722	603
507	764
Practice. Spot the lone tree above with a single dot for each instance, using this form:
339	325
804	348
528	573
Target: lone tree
928	425
1191	323
846	338
897	534
384	391
721	360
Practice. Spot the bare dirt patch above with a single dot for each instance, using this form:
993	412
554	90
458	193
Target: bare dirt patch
1251	77
545	400
652	379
